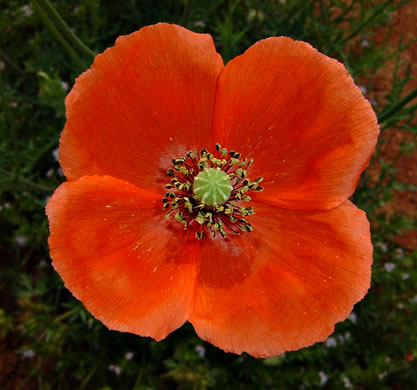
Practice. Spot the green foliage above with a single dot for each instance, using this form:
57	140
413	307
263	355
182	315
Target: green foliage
52	92
60	345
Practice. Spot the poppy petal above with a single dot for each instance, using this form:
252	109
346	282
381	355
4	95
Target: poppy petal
283	286
119	256
144	101
298	113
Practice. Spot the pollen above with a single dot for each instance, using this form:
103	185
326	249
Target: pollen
207	192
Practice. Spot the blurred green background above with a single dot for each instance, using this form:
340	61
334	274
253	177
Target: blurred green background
49	341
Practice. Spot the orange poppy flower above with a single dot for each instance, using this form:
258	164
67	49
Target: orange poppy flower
159	117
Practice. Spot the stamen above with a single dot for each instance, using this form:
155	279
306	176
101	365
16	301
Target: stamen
209	191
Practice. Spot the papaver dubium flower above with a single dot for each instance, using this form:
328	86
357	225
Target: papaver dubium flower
214	194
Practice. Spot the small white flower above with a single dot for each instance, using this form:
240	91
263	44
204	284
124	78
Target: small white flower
365	43
373	102
56	154
2	65
42	264
331	342
29	354
353	317
405	276
381	246
129	355
27	10
382	375
199	23
389	267
115	369
13	104
200	350
363	89
59	172
64	85
21	240
398	254
323	378
347	382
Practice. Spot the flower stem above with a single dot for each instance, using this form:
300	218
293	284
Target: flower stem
58	35
56	18
35	186
67	314
189	5
384	115
25	183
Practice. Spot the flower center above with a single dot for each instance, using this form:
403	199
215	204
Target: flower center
207	191
212	187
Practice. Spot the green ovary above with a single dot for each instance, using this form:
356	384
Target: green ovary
212	187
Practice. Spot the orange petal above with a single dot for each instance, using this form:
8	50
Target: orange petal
283	286
144	101
300	116
118	255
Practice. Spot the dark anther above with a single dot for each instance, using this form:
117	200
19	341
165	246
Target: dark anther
180	200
